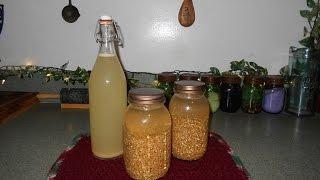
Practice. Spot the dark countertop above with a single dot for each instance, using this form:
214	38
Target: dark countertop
270	146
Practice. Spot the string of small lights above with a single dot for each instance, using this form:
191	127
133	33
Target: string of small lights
81	75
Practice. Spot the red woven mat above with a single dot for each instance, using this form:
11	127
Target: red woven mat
77	162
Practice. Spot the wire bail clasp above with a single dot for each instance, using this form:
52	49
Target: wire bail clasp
119	36
106	32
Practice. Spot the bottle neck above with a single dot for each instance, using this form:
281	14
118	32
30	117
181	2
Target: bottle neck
107	39
107	48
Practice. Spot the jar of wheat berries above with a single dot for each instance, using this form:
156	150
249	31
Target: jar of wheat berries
189	110
147	134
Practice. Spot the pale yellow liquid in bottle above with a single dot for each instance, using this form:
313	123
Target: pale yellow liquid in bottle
108	102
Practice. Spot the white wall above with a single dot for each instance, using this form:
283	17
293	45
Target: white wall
262	30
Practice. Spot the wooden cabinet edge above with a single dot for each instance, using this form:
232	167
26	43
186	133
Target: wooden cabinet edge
44	96
74	106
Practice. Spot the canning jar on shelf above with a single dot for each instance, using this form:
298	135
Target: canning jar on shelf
252	94
166	83
212	90
147	134
230	93
189	110
274	93
303	81
189	76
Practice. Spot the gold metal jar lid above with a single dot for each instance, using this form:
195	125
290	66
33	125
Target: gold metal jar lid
189	86
253	80
233	79
146	96
274	80
189	76
167	77
209	78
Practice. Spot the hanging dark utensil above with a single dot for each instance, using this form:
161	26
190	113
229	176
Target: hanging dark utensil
70	13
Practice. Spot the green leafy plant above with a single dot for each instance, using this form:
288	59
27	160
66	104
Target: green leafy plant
284	72
242	68
311	33
215	71
79	75
132	83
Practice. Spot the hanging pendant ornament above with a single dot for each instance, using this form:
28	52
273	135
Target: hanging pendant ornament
186	13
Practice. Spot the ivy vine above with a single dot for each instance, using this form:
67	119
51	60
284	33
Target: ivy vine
242	68
311	32
79	75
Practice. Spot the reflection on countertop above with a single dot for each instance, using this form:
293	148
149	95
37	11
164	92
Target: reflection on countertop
273	146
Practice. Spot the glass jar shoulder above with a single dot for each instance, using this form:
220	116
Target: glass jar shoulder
188	103
253	89
254	86
107	63
107	70
147	118
212	88
230	87
273	89
194	98
230	90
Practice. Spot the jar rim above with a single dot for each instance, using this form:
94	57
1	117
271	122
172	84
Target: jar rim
167	77
189	76
253	79
274	80
209	78
189	86
232	79
146	96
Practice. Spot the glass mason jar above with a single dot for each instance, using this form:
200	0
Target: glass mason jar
212	90
230	93
303	82
189	76
252	94
274	93
189	110
147	134
166	83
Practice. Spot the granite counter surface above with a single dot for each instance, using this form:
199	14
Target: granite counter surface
270	146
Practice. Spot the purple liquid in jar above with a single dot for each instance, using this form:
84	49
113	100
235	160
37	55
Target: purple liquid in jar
273	100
